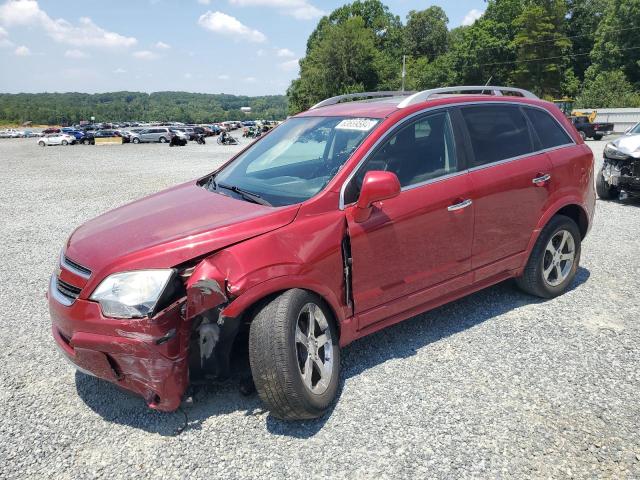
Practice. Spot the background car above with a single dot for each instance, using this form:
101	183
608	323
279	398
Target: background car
156	134
56	139
50	130
635	130
77	134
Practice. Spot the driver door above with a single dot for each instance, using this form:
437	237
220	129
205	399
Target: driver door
415	247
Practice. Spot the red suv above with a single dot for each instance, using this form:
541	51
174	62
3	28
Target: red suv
343	220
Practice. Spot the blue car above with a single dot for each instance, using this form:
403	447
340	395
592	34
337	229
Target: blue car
76	133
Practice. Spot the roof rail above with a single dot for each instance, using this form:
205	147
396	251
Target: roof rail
352	96
423	96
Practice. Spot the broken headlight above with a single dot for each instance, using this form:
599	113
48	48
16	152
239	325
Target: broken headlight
611	151
131	294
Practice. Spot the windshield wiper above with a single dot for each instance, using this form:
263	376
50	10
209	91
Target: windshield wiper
247	195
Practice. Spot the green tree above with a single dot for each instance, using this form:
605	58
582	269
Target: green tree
583	19
607	90
426	32
541	46
342	61
616	40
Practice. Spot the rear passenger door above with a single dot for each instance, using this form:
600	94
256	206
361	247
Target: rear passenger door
510	180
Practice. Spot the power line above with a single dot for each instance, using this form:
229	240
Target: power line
565	37
552	58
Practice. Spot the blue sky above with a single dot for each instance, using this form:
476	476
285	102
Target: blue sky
247	47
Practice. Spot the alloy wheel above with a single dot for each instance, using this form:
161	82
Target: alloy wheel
314	349
558	258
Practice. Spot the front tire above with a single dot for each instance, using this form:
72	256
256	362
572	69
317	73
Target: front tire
136	140
65	143
162	140
41	143
597	137
554	259
603	189
294	355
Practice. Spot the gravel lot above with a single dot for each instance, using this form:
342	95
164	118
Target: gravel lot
498	384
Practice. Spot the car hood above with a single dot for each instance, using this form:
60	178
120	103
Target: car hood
169	228
629	144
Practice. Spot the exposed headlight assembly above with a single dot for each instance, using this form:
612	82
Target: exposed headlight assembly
131	294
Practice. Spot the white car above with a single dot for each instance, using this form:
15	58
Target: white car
12	133
57	139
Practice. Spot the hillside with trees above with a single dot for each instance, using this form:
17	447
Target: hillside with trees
62	108
585	49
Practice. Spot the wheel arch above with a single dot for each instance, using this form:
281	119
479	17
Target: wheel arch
247	302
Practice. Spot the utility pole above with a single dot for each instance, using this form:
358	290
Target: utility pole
404	70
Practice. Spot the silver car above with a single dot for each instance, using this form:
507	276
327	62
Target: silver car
156	134
635	130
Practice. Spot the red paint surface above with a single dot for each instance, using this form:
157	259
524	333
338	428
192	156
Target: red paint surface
409	255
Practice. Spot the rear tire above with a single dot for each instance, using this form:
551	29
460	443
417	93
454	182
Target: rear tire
554	260
135	140
295	367
583	135
65	143
603	189
41	143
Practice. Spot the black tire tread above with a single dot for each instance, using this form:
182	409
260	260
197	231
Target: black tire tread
530	280
272	369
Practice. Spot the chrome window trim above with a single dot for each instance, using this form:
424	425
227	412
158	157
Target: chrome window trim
384	137
71	268
53	291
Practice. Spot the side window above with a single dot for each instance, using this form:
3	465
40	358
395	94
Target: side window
497	132
549	132
420	151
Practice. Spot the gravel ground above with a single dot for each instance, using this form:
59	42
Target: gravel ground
496	385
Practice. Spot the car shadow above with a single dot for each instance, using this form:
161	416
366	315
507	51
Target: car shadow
400	341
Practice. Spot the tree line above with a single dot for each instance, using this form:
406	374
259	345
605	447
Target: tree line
71	108
584	49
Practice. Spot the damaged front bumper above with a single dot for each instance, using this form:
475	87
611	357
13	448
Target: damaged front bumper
623	174
146	356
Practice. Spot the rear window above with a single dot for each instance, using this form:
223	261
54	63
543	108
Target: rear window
550	134
498	132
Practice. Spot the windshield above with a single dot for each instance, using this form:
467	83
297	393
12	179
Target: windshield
296	160
635	129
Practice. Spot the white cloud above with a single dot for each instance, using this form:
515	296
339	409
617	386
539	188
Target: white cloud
204	2
250	80
74	53
227	25
188	76
162	45
4	38
119	70
22	13
223	77
473	15
144	55
260	52
22	51
300	9
290	65
285	52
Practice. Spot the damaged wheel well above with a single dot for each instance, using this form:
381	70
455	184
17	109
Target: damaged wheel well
229	353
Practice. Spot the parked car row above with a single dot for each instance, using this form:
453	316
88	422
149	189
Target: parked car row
13	133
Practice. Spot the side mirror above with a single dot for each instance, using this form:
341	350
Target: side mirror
377	186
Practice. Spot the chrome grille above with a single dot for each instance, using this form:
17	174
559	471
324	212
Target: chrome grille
74	267
67	290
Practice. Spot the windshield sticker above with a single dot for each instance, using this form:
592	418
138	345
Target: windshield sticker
360	124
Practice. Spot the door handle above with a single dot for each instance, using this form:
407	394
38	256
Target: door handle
460	206
541	180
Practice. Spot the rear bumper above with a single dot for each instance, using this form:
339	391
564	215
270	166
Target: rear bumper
144	356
